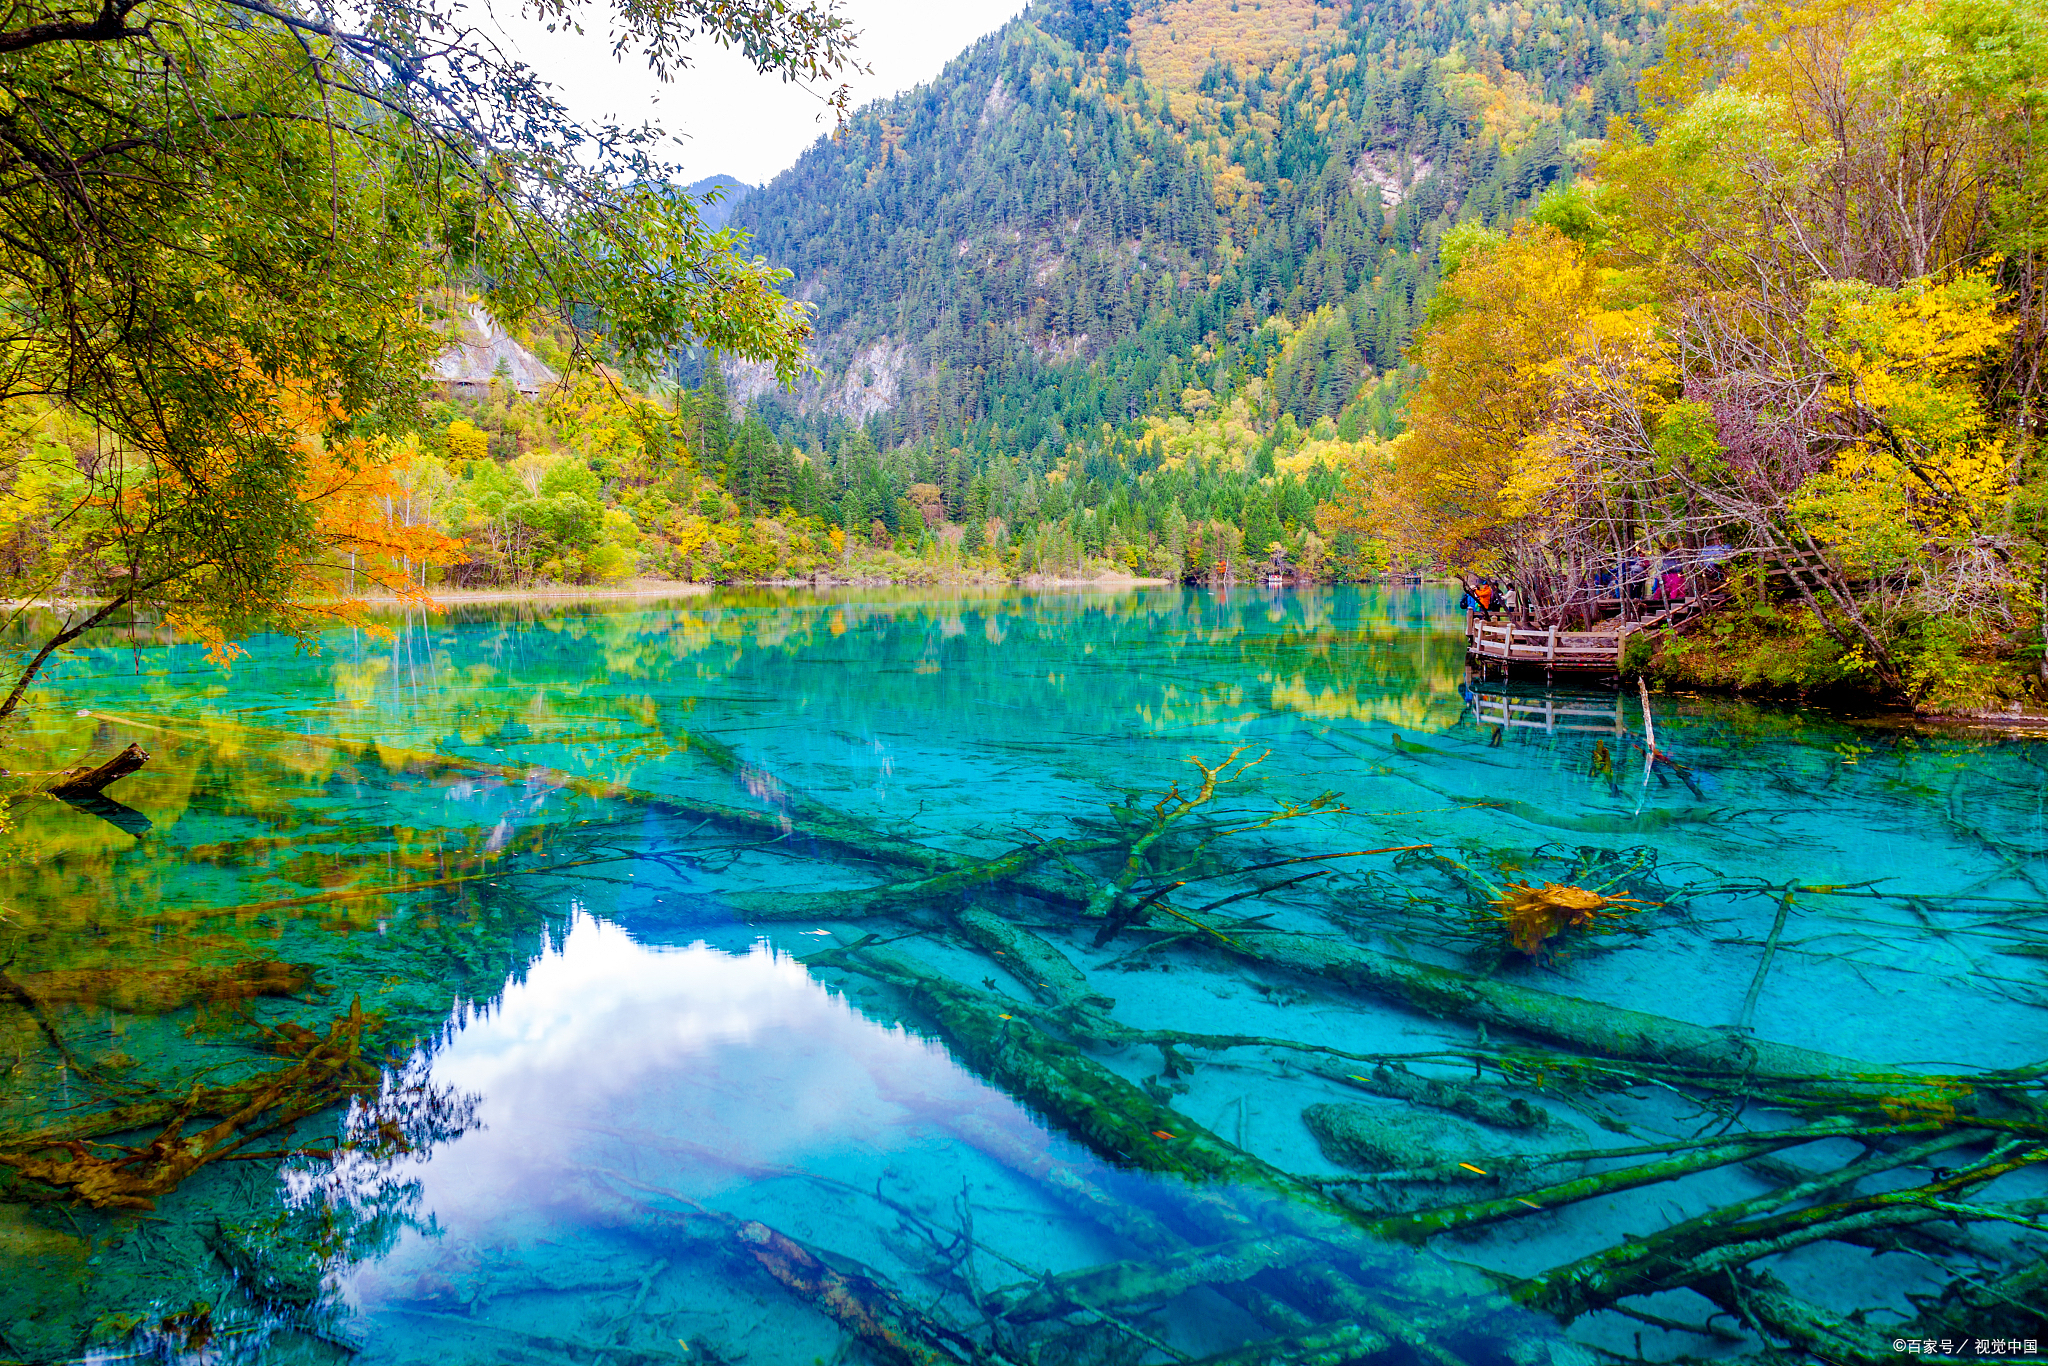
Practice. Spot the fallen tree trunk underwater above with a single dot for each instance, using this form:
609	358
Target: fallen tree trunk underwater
1332	1280
1627	1044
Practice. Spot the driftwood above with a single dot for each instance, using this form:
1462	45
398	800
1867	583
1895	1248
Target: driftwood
88	782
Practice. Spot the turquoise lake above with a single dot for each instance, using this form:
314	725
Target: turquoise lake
1118	978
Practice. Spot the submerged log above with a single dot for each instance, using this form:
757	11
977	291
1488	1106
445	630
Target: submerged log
1593	1028
2017	1301
1339	1345
1487	1104
157	991
1016	871
1079	1193
1697	1158
1722	1240
1235	1195
890	1325
1039	965
83	781
1388	1137
855	1296
1122	1285
1763	1300
1109	1114
330	1071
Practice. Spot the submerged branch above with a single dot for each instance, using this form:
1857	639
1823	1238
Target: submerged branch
1718	1242
330	1071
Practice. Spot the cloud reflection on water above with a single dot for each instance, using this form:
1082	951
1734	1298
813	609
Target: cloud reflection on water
687	1069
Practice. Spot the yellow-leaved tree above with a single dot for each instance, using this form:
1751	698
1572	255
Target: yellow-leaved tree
1922	468
1510	311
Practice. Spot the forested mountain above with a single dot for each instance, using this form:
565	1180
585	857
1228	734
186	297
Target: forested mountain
1098	208
1124	288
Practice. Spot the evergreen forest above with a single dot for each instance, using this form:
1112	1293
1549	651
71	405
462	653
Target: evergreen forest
1121	292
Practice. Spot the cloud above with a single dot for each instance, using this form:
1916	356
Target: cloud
730	119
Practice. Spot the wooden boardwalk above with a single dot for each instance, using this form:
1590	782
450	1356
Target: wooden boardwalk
1597	651
1556	651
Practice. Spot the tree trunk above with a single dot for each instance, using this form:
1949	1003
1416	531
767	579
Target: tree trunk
87	782
56	643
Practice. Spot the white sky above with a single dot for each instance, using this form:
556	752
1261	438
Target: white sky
728	119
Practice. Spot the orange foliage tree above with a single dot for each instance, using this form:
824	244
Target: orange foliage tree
278	525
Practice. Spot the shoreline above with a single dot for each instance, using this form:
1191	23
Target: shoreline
2019	724
1853	707
627	591
648	589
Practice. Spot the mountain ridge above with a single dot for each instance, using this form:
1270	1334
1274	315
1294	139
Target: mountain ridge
1049	236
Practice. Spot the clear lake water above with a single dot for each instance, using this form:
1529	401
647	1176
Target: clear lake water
644	1070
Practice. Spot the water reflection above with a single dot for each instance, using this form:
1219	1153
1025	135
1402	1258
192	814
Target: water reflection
639	1107
743	1058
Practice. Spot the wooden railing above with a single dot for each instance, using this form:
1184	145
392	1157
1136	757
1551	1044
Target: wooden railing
1501	709
1545	645
1600	648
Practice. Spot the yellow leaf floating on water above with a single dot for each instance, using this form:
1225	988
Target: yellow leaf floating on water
1536	915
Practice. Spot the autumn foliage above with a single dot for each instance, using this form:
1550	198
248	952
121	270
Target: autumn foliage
1533	917
1793	327
284	521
